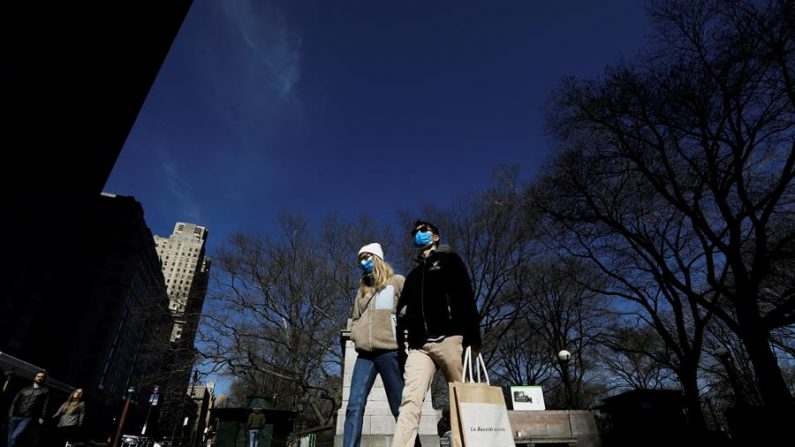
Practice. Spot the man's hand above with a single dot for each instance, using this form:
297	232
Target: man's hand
41	421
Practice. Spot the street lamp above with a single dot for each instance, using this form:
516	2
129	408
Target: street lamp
194	429
181	418
153	398
564	357
130	392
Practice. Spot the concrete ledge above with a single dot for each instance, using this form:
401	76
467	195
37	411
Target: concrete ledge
549	426
570	442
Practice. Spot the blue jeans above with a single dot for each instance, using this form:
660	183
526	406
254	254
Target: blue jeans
367	366
17	426
253	437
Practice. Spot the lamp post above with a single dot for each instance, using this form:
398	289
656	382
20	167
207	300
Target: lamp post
192	430
181	418
130	392
152	403
564	357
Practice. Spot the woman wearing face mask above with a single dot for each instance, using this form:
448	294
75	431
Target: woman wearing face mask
373	333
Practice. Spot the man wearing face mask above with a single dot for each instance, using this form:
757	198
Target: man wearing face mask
439	312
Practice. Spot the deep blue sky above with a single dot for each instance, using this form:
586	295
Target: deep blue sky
354	107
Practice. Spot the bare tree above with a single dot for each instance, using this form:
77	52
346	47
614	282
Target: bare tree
523	356
702	125
566	314
603	214
277	307
636	357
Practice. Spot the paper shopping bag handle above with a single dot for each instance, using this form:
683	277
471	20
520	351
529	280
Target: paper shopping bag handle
480	365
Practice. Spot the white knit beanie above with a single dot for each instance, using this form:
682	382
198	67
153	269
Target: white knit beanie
374	249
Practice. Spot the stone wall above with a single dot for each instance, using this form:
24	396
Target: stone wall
379	424
563	426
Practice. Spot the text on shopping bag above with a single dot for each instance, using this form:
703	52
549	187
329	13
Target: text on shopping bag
485	424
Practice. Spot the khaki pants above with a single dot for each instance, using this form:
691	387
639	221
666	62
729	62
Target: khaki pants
421	364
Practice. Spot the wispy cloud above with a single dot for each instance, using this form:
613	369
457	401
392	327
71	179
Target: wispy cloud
267	35
179	188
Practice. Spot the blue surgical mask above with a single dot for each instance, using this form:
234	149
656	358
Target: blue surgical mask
422	238
366	265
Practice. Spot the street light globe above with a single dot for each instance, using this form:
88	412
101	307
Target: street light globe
564	356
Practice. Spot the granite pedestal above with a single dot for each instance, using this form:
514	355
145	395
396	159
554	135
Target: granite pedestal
379	424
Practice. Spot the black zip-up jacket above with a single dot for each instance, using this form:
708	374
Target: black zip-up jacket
438	300
30	402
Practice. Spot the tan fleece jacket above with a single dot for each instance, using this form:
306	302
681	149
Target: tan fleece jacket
374	317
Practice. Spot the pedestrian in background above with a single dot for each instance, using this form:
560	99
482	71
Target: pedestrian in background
70	417
255	424
29	404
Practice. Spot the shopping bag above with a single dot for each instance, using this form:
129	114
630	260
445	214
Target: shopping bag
478	415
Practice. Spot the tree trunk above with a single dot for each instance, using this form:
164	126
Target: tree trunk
755	337
688	375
